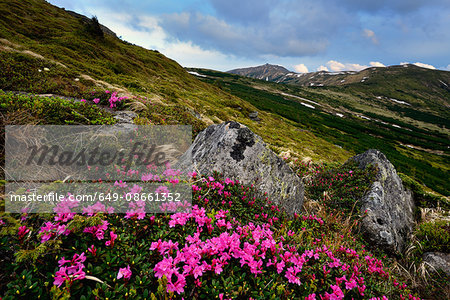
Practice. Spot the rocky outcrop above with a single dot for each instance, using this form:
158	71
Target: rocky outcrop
437	261
389	206
235	151
254	116
125	116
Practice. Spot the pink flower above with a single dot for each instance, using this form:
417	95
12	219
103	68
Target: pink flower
60	277
22	232
71	272
96	100
97	231
120	184
337	292
177	286
92	250
125	273
113	238
350	284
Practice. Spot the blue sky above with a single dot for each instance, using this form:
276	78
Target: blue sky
301	35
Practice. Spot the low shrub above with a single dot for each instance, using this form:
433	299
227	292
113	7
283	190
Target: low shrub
55	111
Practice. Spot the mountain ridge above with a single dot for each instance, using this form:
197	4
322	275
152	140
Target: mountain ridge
280	74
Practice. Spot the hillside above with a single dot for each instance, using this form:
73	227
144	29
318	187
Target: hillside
360	116
408	81
79	61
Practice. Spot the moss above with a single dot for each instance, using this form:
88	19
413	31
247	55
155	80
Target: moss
422	196
434	236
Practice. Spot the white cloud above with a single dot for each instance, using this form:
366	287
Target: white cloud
422	65
370	35
376	64
404	63
355	67
146	31
323	68
301	68
448	68
336	66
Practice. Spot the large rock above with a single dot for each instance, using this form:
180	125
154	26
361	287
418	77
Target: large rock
437	261
235	151
390	207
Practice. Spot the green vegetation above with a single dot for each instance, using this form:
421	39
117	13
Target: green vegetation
232	244
339	187
28	109
422	197
434	236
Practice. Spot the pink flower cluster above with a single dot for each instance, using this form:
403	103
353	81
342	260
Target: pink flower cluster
98	207
124	273
113	100
64	210
198	214
313	218
70	270
255	247
97	231
23	230
50	230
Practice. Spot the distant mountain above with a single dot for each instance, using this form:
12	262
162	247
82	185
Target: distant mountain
280	74
265	72
427	88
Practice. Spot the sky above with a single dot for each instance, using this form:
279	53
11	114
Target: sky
301	35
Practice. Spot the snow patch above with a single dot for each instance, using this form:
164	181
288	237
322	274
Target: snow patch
196	74
307	105
300	98
399	101
339	115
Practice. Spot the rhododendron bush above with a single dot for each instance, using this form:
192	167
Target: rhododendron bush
231	243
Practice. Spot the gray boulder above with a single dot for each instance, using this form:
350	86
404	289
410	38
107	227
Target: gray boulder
254	116
234	150
437	261
390	207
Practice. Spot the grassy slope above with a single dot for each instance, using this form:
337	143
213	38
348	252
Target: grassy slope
426	91
52	33
429	163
